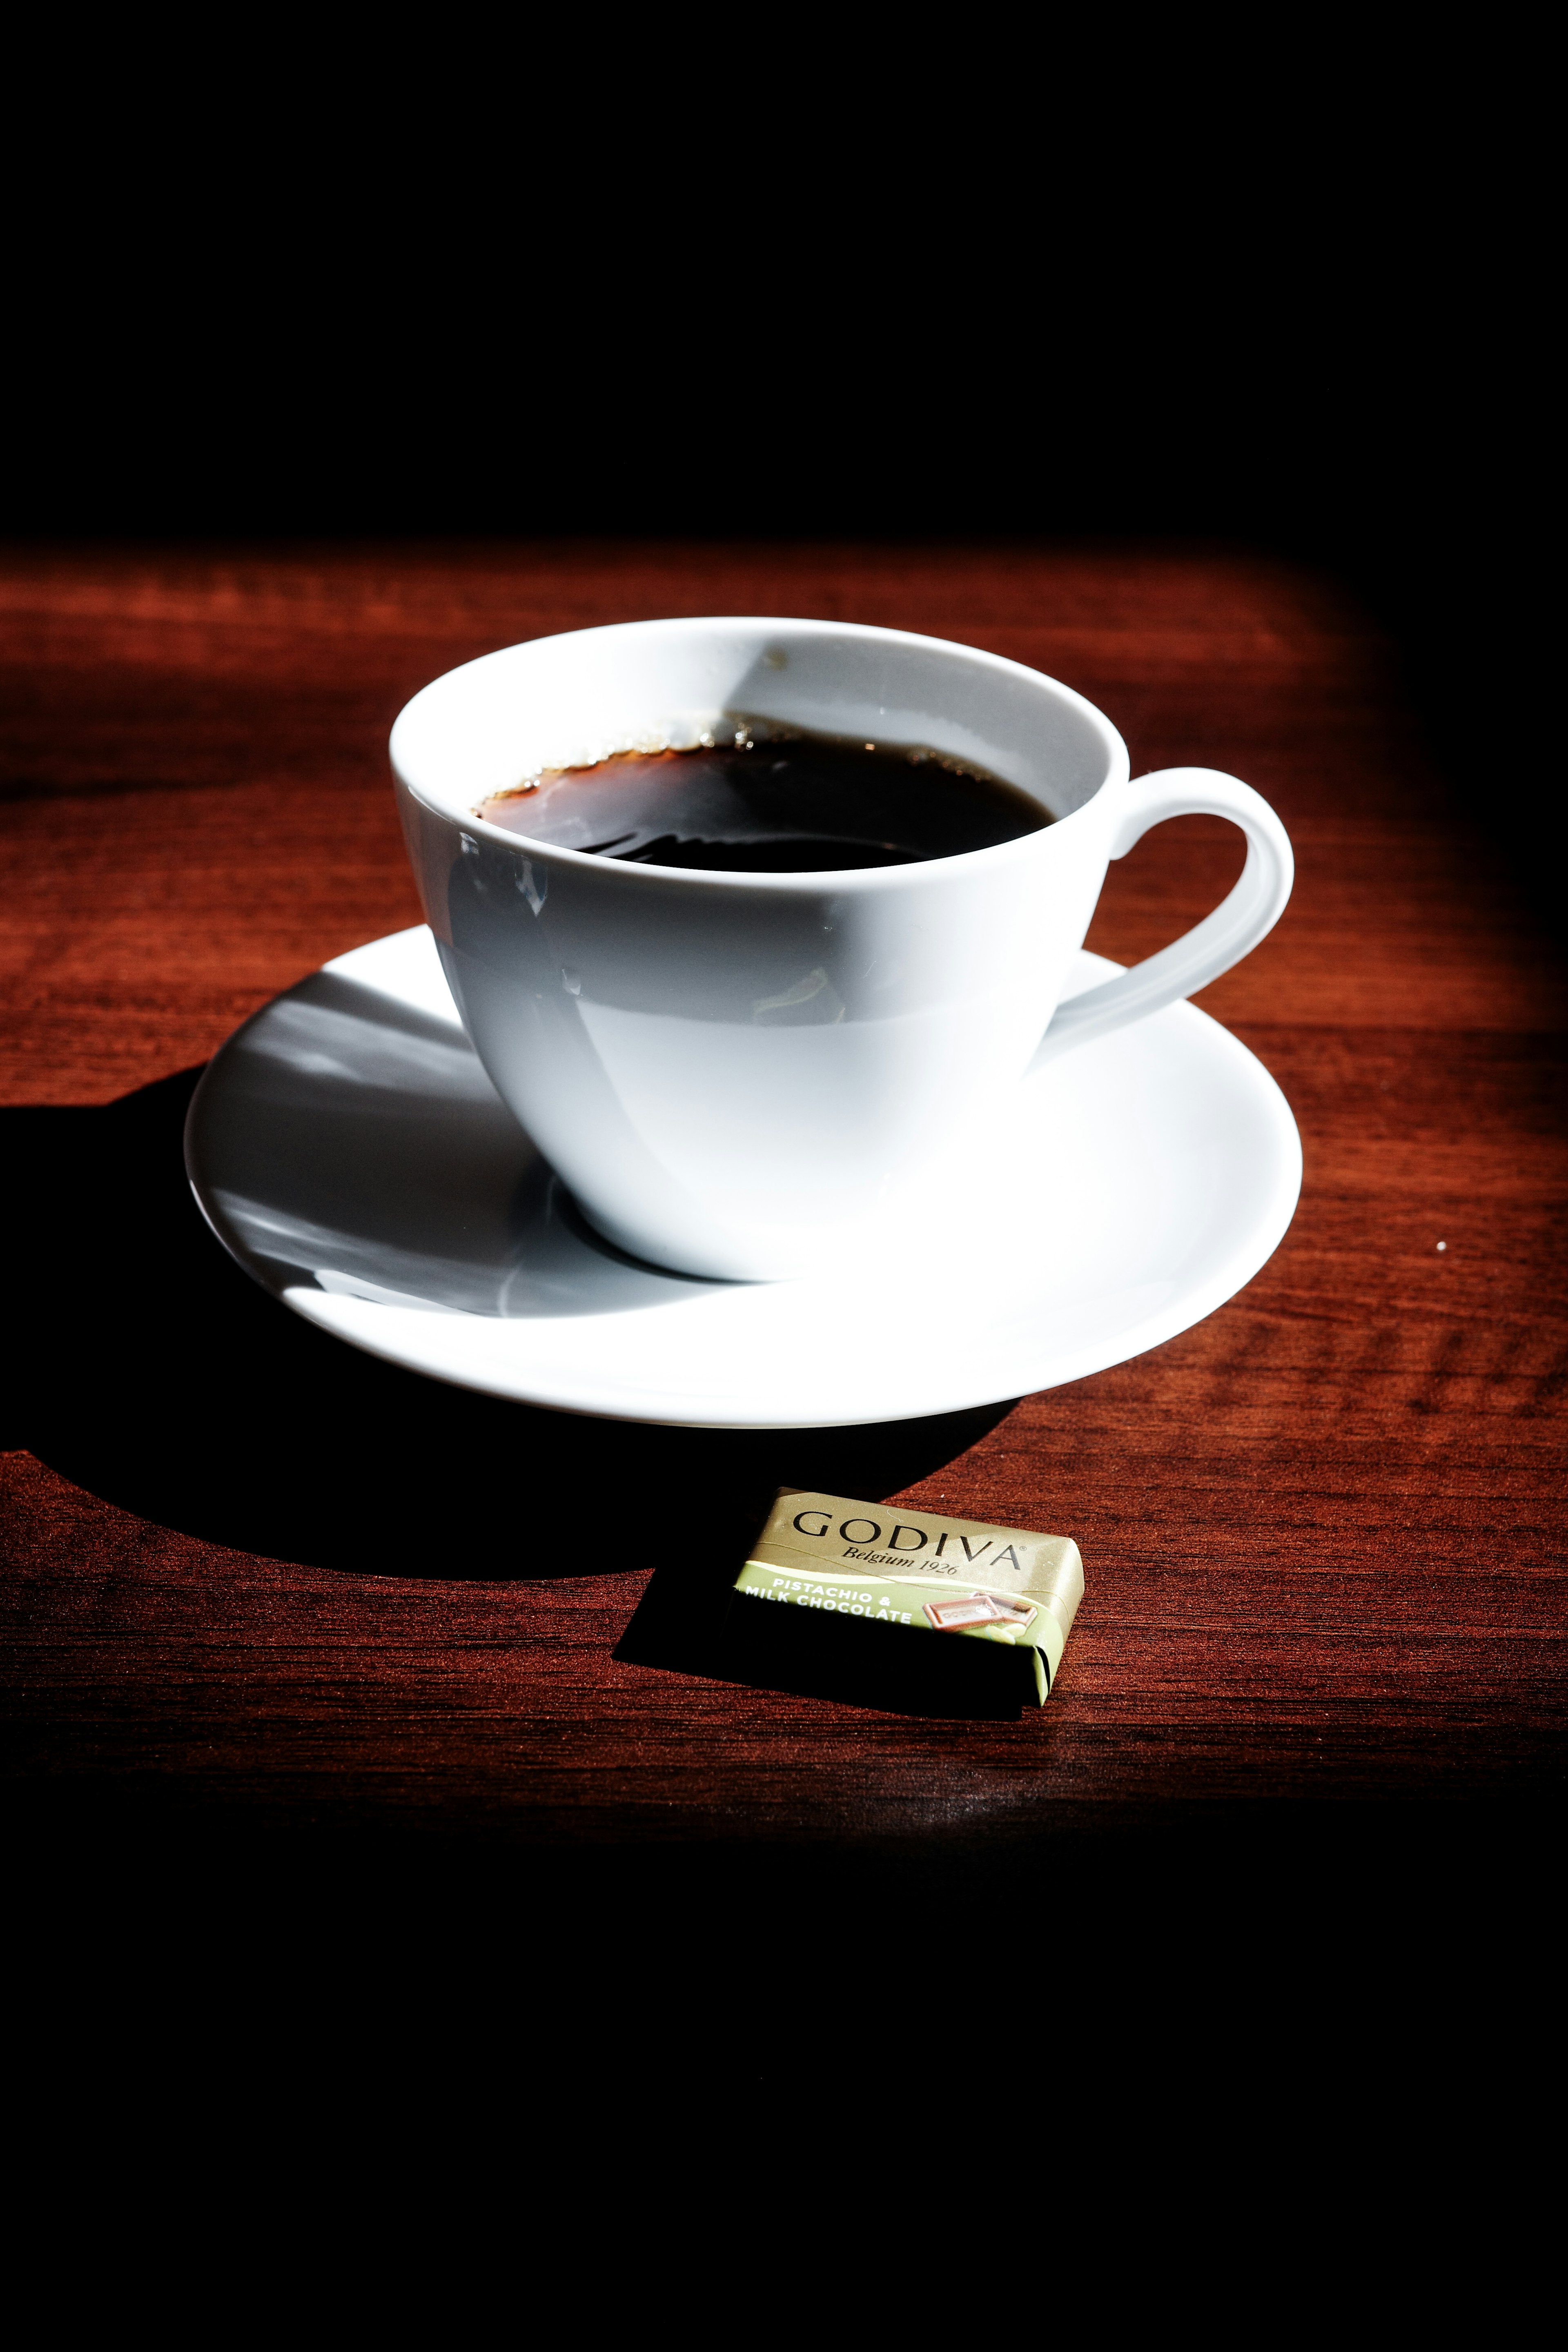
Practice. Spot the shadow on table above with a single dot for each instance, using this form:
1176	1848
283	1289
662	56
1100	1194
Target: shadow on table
151	1372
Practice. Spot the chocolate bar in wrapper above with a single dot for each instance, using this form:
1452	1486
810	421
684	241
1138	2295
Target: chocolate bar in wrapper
919	1571
956	1616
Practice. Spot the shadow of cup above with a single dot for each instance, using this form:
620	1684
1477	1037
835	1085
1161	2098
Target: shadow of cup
155	1374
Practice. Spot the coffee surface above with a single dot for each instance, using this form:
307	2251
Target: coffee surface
797	805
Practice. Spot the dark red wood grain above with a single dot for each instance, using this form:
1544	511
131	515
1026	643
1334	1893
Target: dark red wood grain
1323	1531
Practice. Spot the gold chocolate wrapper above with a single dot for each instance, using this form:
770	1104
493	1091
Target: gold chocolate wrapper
919	1570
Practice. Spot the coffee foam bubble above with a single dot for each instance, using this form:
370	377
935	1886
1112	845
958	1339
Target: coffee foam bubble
688	732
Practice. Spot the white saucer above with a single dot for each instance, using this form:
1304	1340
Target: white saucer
349	1150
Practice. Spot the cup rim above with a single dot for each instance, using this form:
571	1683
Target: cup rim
859	878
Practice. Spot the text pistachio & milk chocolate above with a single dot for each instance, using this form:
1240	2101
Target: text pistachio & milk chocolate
910	1568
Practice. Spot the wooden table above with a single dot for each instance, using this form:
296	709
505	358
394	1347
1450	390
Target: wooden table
255	1583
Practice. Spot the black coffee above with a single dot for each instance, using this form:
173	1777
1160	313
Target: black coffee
794	805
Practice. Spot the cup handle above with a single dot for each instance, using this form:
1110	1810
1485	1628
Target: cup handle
1211	947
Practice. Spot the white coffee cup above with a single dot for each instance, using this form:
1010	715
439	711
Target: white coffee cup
754	1076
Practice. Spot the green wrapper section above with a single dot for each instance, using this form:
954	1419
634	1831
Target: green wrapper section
901	1601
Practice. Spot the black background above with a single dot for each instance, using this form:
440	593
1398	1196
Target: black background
1154	283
